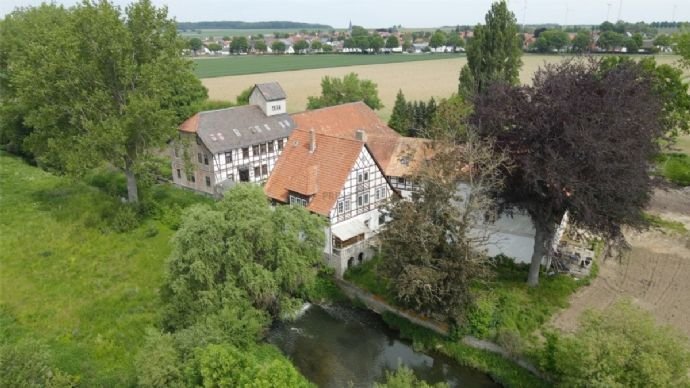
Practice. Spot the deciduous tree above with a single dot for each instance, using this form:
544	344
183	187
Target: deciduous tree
335	91
392	42
581	141
107	87
278	47
494	52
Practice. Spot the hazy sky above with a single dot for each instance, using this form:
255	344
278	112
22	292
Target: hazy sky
409	13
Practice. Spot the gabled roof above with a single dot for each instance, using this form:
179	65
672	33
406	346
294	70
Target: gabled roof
242	126
409	155
271	91
345	120
320	174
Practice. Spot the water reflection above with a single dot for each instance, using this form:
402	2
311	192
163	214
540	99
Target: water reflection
335	345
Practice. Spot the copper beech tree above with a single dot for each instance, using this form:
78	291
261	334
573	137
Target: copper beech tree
581	139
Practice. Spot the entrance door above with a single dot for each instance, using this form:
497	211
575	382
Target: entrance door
244	175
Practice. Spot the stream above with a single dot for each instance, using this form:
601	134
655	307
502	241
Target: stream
334	346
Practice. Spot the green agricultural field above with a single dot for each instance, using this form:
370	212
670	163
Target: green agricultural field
85	292
253	64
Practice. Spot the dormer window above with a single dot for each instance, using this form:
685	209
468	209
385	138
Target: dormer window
297	200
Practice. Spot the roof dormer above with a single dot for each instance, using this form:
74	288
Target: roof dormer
270	97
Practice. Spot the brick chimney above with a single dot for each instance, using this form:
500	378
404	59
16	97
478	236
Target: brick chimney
312	141
361	135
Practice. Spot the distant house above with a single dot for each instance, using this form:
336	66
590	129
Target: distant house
215	149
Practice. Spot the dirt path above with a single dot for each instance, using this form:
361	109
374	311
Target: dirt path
655	274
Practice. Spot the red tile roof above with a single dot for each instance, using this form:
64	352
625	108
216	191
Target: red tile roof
191	124
320	174
345	120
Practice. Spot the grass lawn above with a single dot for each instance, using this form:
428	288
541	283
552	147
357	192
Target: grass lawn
253	64
86	293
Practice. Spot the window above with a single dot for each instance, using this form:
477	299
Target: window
378	194
382	219
231	177
264	169
175	152
275	107
208	182
280	145
270	146
198	141
363	199
198	156
341	206
295	200
255	150
363	177
263	148
191	178
206	160
179	174
401	180
366	175
245	153
228	157
257	171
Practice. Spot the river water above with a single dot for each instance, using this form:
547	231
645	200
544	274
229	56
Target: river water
334	346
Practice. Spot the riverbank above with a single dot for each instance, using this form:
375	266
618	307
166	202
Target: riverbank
505	368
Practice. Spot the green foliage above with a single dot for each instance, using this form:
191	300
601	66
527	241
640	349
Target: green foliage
301	46
239	44
366	275
675	167
376	43
278	47
494	52
438	39
214	47
240	249
260	45
619	347
404	377
400	117
227	366
158	362
667	83
682	47
610	40
213	105
99	85
195	44
28	364
324	288
552	40
581	42
450	119
501	370
392	42
243	98
336	91
659	222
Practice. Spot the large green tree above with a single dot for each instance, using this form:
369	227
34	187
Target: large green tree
682	47
336	91
621	346
239	44
241	248
400	118
494	52
98	85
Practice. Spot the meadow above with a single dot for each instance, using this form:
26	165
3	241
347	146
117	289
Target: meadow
253	64
86	292
418	80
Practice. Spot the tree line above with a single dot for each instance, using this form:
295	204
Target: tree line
239	25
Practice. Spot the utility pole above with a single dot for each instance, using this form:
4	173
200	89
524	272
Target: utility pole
620	9
524	16
673	15
608	11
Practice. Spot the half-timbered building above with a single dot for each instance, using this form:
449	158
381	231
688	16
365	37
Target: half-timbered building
217	148
339	179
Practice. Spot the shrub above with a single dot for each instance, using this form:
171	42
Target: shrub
124	219
675	167
27	364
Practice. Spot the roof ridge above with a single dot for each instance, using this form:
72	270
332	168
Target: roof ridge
332	107
317	133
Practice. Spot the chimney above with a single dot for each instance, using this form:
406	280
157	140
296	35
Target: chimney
361	135
312	141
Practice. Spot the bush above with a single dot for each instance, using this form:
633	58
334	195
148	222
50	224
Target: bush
27	364
404	377
619	347
123	219
675	167
158	362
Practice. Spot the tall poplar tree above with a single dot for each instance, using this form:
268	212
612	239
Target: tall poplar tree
494	52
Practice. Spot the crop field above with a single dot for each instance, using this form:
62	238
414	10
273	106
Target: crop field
418	80
252	64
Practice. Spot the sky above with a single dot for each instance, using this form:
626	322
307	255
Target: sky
409	13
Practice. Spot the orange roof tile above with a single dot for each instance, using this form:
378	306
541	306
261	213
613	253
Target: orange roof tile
191	124
321	174
409	154
345	120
